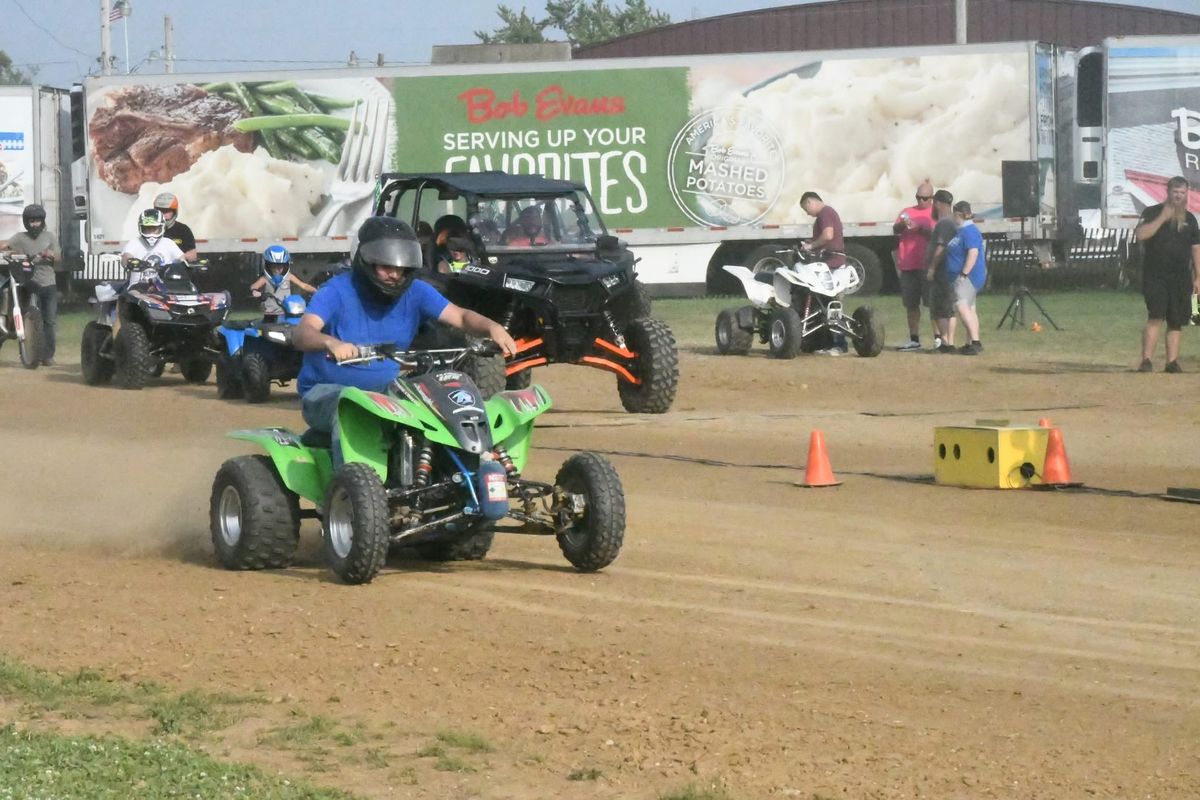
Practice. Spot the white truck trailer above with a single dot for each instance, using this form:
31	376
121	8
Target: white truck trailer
695	161
35	152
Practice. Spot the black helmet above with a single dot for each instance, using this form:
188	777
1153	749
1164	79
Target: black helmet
31	213
387	242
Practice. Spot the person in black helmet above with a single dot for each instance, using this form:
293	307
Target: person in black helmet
377	301
43	245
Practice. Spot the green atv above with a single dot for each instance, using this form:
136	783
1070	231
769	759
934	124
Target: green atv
427	464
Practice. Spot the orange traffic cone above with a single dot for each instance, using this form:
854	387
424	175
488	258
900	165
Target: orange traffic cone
1045	422
817	471
1057	469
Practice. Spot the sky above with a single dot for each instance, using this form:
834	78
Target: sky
61	38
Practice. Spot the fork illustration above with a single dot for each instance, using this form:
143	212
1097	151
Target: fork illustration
362	161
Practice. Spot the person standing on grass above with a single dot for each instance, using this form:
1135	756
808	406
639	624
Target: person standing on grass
914	227
1170	272
966	268
39	243
941	292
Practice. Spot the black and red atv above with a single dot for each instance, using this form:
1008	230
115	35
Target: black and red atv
533	254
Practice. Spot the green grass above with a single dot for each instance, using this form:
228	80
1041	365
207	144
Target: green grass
584	774
1099	327
694	792
445	761
37	765
471	742
315	731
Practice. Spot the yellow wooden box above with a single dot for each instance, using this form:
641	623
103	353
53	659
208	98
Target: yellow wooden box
988	456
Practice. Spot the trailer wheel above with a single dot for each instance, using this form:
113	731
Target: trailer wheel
868	266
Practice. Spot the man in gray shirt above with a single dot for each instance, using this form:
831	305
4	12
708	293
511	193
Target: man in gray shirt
941	292
43	245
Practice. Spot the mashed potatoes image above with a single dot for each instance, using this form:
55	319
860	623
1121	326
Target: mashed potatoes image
228	194
864	132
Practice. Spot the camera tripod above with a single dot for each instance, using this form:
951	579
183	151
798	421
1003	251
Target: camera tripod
1015	314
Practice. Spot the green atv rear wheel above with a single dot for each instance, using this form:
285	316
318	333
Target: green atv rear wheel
471	547
253	518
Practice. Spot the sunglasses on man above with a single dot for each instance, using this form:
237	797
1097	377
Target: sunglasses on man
924	197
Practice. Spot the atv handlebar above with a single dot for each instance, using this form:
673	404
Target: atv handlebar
422	360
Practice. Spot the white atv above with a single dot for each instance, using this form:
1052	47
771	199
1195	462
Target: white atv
796	308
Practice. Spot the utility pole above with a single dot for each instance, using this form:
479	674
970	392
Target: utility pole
168	46
105	39
960	21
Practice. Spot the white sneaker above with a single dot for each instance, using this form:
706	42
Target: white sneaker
937	343
910	345
831	351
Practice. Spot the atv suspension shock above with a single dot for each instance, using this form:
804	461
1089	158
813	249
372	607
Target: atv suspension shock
618	339
510	312
506	460
424	466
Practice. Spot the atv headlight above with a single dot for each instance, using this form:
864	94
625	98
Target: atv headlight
518	284
158	314
609	281
277	336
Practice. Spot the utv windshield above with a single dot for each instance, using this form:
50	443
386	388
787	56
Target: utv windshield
563	223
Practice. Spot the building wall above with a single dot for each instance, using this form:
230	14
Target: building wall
897	23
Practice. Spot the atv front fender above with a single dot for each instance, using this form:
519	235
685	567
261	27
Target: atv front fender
305	471
511	415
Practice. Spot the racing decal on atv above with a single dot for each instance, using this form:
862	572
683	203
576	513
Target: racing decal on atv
462	397
524	400
387	404
283	437
477	270
447	377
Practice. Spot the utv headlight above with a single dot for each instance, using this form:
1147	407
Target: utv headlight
518	284
159	314
609	281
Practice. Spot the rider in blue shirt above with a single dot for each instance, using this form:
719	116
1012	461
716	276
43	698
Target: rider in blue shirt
377	301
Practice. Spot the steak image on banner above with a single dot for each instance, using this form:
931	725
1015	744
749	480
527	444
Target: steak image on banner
251	159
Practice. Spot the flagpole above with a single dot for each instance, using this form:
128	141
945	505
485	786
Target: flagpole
125	29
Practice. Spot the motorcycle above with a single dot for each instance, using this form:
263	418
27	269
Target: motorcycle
258	353
163	319
425	464
23	317
796	308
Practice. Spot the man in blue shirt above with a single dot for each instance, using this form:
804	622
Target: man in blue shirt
377	301
966	269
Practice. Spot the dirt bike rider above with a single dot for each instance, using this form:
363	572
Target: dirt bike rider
379	300
176	231
277	282
42	244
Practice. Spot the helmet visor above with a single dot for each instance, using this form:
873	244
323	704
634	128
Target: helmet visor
390	252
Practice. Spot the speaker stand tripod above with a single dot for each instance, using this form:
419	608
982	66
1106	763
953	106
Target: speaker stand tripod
1015	314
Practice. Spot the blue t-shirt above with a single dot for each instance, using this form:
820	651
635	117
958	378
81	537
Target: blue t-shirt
968	237
353	313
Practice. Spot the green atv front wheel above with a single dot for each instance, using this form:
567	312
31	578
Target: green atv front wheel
593	537
356	523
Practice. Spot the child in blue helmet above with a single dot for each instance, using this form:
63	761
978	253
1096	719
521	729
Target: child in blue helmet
277	281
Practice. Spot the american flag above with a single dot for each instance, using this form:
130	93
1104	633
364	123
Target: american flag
120	10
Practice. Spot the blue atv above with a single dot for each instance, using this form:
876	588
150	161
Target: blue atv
258	353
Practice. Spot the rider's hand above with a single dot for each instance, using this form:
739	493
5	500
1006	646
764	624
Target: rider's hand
501	337
255	293
339	350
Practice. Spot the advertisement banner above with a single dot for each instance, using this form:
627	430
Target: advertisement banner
735	143
16	161
1153	128
608	129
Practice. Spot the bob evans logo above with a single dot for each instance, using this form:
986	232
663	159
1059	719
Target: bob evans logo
1188	137
553	101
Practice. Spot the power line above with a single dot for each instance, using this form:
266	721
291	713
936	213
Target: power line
54	38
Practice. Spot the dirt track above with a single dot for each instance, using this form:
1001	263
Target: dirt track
884	639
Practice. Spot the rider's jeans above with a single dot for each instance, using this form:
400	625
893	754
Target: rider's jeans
318	406
48	303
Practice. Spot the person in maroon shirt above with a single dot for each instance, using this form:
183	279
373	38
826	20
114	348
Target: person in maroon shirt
827	235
